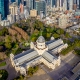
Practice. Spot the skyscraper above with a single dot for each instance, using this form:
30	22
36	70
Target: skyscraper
79	4
70	5
65	5
48	2
6	7
75	1
2	12
30	4
52	3
40	6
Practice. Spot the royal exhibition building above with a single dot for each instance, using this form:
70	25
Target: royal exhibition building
40	52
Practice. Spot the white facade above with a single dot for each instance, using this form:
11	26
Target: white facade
13	8
5	23
40	52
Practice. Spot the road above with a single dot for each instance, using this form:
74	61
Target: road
67	63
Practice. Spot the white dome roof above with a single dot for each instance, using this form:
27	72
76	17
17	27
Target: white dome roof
41	39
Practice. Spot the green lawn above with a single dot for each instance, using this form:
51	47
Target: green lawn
2	64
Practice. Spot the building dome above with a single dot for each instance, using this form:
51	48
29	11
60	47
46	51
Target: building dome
41	39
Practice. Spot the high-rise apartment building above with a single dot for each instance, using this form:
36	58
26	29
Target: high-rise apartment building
40	5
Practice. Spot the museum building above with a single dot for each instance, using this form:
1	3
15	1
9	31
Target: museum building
41	51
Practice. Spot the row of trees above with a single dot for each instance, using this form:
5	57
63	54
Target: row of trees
22	32
72	46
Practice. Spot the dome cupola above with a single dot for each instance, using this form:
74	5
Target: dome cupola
41	39
41	42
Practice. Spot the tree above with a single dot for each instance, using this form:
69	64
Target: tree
60	31
3	31
55	35
8	45
8	39
32	70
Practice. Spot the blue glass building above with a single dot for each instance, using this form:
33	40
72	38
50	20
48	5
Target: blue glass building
6	7
2	12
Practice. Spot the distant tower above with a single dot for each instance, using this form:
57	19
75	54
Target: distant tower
30	4
40	6
60	3
52	3
6	7
65	5
2	11
21	8
57	3
79	4
70	5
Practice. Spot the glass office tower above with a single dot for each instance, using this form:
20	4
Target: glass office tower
40	6
2	12
6	7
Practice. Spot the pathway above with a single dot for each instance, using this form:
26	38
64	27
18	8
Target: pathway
10	69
